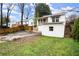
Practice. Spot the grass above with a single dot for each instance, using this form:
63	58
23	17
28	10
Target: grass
41	46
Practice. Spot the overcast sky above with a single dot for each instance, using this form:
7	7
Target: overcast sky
54	7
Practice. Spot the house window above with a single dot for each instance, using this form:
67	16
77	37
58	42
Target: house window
53	19
51	28
41	20
44	20
57	19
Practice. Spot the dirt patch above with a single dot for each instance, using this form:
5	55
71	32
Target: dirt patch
26	39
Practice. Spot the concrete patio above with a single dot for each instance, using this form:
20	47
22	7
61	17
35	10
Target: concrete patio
18	35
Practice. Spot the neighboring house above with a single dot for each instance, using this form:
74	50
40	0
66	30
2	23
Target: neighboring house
52	25
15	24
28	22
11	24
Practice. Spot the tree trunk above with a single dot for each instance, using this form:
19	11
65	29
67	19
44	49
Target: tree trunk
22	12
7	22
7	19
22	18
1	14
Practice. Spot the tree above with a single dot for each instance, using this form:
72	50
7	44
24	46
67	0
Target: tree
72	18
42	9
27	11
35	20
21	7
1	5
70	23
10	7
3	20
76	29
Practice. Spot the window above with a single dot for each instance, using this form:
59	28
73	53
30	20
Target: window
53	19
51	28
57	19
44	20
41	20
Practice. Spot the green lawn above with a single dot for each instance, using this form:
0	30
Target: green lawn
41	45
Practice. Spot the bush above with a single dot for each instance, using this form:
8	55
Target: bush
25	28
75	33
28	28
15	29
9	30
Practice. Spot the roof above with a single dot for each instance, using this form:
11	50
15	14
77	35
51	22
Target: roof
57	14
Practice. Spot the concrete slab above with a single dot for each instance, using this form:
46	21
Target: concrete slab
17	35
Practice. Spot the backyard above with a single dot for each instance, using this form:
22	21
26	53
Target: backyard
40	46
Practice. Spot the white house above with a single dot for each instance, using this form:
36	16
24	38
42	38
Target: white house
28	22
52	25
31	21
14	24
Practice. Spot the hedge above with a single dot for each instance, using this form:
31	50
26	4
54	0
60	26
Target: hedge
16	29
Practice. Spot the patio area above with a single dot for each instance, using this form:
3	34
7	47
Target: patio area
18	35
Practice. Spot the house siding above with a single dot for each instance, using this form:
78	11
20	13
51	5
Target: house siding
58	27
58	30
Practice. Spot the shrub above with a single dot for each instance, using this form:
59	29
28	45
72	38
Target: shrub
1	31
28	28
15	29
75	33
21	27
9	30
25	28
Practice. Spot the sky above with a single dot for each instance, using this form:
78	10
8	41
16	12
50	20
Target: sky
54	7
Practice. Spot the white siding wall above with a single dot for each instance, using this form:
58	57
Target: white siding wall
58	30
49	19
61	19
30	22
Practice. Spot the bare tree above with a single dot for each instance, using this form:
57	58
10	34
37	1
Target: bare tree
21	7
3	20
10	7
27	11
71	18
1	5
